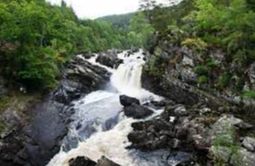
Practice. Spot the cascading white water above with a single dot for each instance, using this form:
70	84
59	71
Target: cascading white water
101	128
128	75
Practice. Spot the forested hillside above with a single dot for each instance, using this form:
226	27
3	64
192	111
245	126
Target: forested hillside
120	21
206	27
36	39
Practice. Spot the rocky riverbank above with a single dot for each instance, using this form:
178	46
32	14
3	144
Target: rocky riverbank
211	127
35	126
214	126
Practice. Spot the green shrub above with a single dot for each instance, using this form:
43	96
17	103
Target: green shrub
4	102
195	43
201	70
202	80
211	64
249	94
224	80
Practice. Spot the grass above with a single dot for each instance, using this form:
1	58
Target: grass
249	94
4	103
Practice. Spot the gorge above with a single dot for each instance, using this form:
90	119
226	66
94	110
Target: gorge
169	85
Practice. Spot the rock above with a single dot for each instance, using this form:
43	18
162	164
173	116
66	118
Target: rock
109	59
162	103
3	88
87	55
221	153
106	162
127	101
226	148
80	78
176	79
243	157
228	122
249	143
173	90
82	161
177	110
137	111
132	51
251	74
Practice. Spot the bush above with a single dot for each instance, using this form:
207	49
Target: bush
224	80
195	43
202	80
249	94
201	70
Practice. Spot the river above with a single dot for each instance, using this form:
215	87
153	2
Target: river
99	127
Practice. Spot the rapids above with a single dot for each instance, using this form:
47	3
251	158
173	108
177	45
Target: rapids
100	128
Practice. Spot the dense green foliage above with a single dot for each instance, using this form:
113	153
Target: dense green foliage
140	30
206	26
119	21
135	26
36	39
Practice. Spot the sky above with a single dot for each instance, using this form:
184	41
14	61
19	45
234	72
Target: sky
97	8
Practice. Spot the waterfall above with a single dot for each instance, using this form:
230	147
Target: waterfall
128	75
100	128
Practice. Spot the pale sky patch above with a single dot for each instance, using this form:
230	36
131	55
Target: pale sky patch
98	8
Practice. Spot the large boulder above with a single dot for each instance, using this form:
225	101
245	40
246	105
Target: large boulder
137	111
106	162
127	101
82	161
80	77
109	59
249	143
226	143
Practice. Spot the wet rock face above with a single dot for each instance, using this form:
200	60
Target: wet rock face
80	78
170	72
127	101
174	89
169	130
109	59
82	161
137	111
106	162
251	75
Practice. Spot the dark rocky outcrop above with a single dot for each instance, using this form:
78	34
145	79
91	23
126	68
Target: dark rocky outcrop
137	111
80	78
197	130
127	101
109	59
84	161
86	55
170	72
106	162
132	51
